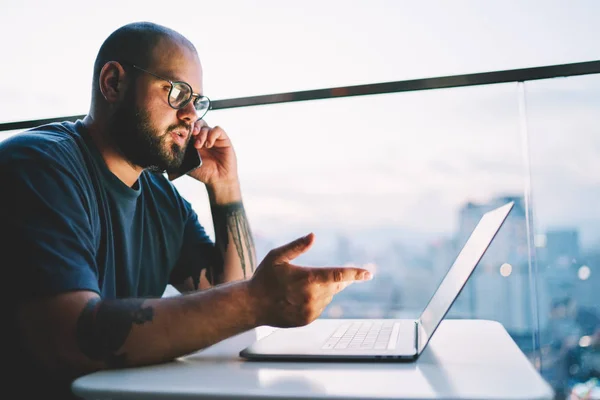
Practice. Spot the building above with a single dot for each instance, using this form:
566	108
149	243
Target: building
502	287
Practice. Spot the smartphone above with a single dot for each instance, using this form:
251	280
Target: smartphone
191	161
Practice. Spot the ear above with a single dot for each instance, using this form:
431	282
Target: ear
112	81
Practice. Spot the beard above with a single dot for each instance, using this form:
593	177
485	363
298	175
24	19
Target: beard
140	142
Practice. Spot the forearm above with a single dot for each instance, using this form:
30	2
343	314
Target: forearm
132	332
233	235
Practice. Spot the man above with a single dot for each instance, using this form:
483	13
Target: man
93	231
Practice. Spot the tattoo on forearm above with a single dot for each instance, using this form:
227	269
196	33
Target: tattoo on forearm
103	327
231	219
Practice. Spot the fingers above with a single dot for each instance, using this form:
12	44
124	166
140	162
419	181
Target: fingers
201	136
216	137
338	274
205	136
289	251
198	125
341	286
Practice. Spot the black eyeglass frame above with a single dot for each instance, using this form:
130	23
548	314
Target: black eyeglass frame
198	96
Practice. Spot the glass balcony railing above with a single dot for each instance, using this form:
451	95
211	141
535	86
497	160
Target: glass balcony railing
393	177
564	143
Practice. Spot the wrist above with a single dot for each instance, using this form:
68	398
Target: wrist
224	192
252	302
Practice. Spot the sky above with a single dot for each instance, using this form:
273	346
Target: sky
404	161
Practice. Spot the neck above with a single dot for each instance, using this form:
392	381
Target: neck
116	163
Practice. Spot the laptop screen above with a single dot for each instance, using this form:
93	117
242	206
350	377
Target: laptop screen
459	273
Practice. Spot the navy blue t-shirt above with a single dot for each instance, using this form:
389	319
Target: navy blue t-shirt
67	223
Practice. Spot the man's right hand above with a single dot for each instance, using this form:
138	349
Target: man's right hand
288	295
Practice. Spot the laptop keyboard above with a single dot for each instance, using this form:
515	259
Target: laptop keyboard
364	336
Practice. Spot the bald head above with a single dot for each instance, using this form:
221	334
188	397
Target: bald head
135	43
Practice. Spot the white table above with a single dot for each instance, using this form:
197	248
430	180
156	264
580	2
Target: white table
466	359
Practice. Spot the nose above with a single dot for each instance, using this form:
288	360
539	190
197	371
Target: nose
188	113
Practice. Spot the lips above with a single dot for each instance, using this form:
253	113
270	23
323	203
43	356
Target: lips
180	137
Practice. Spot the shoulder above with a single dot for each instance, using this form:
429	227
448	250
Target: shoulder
53	142
39	157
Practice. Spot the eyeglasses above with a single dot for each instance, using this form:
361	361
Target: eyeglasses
181	93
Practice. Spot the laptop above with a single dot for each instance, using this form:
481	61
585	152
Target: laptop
382	339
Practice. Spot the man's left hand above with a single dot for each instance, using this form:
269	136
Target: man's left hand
219	163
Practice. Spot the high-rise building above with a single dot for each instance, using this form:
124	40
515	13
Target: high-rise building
561	244
501	287
559	260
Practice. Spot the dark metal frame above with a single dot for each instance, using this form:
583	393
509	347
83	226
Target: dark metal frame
484	78
199	97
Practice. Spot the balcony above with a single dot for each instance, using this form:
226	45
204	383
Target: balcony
392	174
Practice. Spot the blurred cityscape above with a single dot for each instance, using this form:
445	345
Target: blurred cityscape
564	344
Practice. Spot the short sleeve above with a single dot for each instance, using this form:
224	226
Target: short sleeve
47	241
198	252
